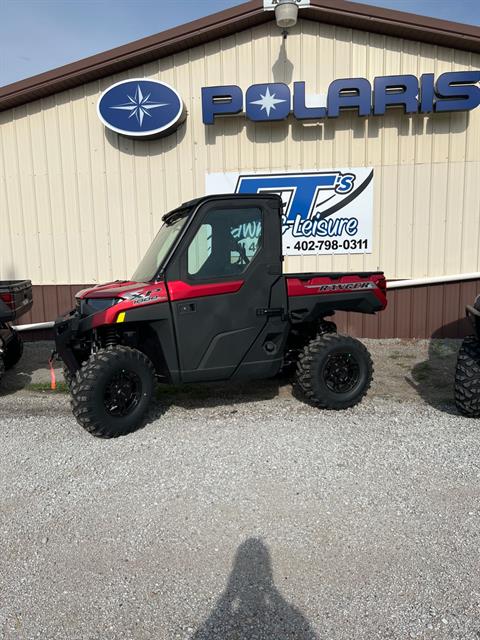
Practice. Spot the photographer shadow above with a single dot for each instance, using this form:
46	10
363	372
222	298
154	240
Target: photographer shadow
434	378
251	606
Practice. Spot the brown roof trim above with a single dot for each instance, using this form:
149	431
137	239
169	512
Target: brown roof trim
224	23
397	23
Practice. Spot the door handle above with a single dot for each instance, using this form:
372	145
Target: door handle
271	313
187	307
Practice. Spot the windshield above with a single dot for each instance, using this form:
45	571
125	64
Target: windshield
152	261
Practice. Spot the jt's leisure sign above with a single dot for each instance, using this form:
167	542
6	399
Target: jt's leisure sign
324	212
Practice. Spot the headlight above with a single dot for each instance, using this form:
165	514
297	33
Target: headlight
100	304
88	306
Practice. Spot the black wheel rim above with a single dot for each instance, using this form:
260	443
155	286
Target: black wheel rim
122	393
341	372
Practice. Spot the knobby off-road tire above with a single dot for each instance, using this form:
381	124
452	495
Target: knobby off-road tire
288	371
14	351
69	377
467	378
112	392
2	367
334	371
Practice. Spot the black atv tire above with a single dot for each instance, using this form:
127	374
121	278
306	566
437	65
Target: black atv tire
288	370
467	378
14	351
69	377
2	367
98	402
334	371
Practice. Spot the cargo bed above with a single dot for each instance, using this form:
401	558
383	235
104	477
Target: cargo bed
314	295
15	299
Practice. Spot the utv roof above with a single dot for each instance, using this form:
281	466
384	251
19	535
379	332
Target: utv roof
186	206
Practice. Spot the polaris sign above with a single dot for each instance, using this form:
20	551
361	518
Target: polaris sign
141	108
324	212
453	91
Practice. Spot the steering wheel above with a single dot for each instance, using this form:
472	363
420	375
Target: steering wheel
237	246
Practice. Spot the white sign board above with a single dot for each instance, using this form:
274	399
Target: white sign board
269	5
325	212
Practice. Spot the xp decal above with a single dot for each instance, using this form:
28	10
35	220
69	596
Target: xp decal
141	298
141	108
452	91
324	211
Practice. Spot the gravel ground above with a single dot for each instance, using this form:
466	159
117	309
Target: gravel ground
244	513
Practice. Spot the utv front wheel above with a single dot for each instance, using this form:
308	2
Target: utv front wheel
334	371
69	377
467	378
112	392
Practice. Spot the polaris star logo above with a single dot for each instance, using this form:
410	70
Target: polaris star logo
269	102
141	108
139	105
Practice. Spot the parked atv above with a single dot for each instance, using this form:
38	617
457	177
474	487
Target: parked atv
467	375
209	302
15	300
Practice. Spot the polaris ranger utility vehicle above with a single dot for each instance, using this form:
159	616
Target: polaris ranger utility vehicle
467	375
209	302
15	300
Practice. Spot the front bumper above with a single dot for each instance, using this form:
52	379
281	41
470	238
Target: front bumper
67	331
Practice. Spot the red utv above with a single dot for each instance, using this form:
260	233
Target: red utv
210	302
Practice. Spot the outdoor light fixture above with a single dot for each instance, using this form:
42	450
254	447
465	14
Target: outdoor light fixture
286	14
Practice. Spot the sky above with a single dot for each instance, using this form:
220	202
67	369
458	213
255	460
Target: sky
38	35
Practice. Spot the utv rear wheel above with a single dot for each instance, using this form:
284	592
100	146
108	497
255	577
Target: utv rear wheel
467	378
14	351
334	371
112	392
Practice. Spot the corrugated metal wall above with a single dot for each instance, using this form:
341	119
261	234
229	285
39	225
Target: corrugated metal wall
81	204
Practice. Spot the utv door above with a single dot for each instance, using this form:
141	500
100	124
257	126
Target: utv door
227	293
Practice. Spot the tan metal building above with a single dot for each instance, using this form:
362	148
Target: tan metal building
79	204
